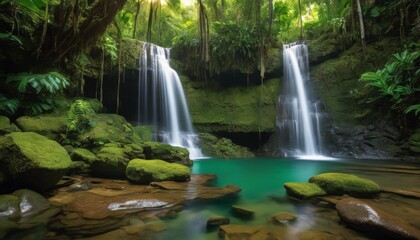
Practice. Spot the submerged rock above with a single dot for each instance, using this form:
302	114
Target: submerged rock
217	221
374	221
32	161
147	171
303	190
24	210
242	211
282	218
341	183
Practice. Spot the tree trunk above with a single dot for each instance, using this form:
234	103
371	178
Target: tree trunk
139	2
362	25
301	21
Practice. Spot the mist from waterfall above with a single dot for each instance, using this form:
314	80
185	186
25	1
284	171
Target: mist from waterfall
298	118
161	101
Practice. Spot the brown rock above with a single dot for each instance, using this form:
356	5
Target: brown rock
373	221
282	218
242	211
217	221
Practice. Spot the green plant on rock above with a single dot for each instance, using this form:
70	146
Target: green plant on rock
79	115
32	93
397	83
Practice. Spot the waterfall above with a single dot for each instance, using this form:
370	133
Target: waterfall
161	100
298	118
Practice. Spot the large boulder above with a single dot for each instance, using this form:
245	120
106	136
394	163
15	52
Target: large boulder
166	152
32	161
107	128
341	183
48	126
303	190
373	221
146	171
113	158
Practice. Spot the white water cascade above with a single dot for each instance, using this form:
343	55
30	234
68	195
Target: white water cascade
161	101
298	118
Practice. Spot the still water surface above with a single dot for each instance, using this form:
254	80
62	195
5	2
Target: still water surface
261	181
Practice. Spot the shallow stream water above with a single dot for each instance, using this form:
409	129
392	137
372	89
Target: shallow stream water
261	181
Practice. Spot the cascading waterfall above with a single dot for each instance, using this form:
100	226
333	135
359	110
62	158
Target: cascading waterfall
298	119
161	100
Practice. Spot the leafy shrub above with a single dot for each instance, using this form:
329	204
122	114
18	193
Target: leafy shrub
397	83
31	93
79	115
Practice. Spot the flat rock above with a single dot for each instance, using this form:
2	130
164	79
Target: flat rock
102	209
373	221
402	192
243	211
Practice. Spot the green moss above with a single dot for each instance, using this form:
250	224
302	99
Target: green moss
49	126
111	162
107	128
222	147
31	160
415	142
235	109
166	152
303	190
144	132
341	183
82	154
4	122
43	153
146	171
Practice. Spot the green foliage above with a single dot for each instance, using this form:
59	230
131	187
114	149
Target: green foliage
79	115
11	37
397	83
32	93
49	83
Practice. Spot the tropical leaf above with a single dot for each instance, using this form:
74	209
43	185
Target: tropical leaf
415	108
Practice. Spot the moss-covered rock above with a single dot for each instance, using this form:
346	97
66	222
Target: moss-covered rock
341	183
6	127
414	142
146	171
303	190
48	126
235	109
107	128
32	161
111	162
82	154
166	152
113	158
222	147
144	132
